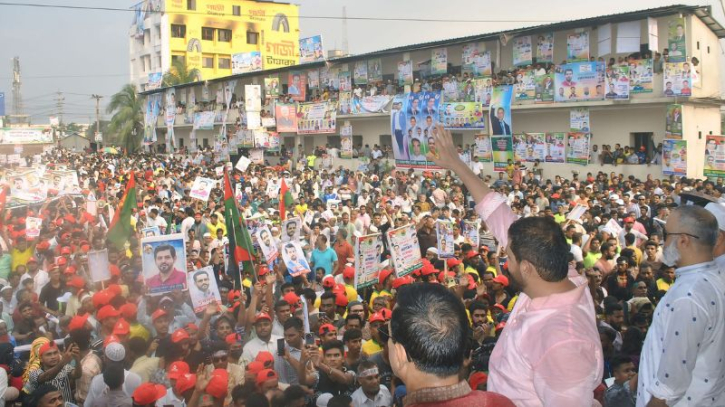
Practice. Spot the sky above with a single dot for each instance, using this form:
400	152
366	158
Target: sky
85	52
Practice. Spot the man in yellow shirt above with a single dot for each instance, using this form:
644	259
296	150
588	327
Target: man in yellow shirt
374	345
301	208
385	282
215	224
21	252
668	278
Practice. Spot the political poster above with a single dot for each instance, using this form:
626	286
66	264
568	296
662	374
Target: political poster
677	79
525	86
286	116
444	236
268	244
523	53
313	78
544	88
579	119
674	157
151	231
500	111
579	81
155	80
271	87
577	46
311	49
32	226
404	249
297	86
268	122
556	148
253	98
153	106
291	230
502	152
482	150
369	104
640	76
244	62
483	90
617	83
256	155
254	120
294	259
405	73
530	147
201	189
344	103
317	118
360	73
545	48
99	266
577	148
676	40
346	146
345	81
714	157
203	289
375	70
463	115
274	142
413	119
439	61
476	60
673	124
367	251
164	263
204	121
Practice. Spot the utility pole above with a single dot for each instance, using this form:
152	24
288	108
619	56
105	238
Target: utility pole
98	115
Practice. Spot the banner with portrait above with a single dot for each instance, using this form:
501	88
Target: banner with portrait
360	73
674	157
151	231
246	62
500	111
483	90
32	226
294	259
286	116
640	76
98	265
297	85
482	148
545	48
201	189
271	87
525	86
413	119
714	157
164	263
444	237
673	124
291	230
617	82
204	121
345	81
439	61
267	244
27	187
677	79
579	119
375	70
404	249
530	147
256	155
476	60
367	251
577	148
346	146
253	98
556	149
313	78
151	115
579	81
463	115
317	118
523	53
311	49
502	152
544	88
677	40
203	289
368	104
577	46
405	73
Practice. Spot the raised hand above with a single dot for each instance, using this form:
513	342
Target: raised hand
444	153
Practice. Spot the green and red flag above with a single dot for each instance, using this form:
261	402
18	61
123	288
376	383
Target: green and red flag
241	250
121	228
285	200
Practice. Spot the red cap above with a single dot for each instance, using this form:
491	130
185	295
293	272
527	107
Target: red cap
70	270
262	271
291	298
265	358
328	282
501	307
218	385
46	347
78	322
341	300
232	338
386	313
476	379
471	254
115	290
325	328
158	314
503	280
111	339
233	294
179	335
401	281
185	382
107	312
442	276
32	260
42	246
65	250
266	375
453	262
428	269
122	327
148	393
384	274
76	282
629	219
177	369
101	298
85	248
348	272
255	367
62	261
115	271
128	310
376	317
261	316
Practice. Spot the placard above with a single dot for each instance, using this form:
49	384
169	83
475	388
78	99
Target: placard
294	259
291	230
98	265
267	243
164	263
404	249
367	251
444	236
151	231
469	231
674	157
203	289
32	226
201	189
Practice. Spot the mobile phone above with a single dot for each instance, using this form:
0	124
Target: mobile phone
309	339
280	346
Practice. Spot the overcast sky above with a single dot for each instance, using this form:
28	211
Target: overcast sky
85	52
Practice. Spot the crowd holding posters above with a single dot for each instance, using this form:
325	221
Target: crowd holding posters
360	73
673	125
577	148
268	244
556	147
413	118
246	62
202	188
545	48
297	85
404	249
462	115
439	61
203	289
617	82
500	110
530	147
291	230
375	70
151	231
579	81
640	76
502	152
164	263
577	46
294	259
674	157
271	87
523	52
311	49
544	88
405	73
444	236
367	251
579	119
715	157
525	86
482	150
676	40
28	187
315	118
677	79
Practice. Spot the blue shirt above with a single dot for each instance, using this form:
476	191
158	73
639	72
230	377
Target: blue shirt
324	259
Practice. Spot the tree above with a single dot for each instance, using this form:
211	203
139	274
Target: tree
127	121
180	74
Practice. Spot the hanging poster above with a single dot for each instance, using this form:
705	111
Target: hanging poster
577	148
164	263
673	125
439	61
345	146
316	118
311	49
254	120
617	82
444	236
345	81
674	157
530	147
375	70
201	189
463	115
715	157
246	62
577	47
556	148
345	103
274	142
271	87
367	251
413	119
268	244
579	119
676	40
544	91
502	152
404	249
523	53
261	139
313	78
579	81
369	104
253	98
360	73
286	116
268	122
203	289
155	80
476	61
405	73
297	86
483	89
677	79
545	48
640	76
294	259
482	150
500	111
204	120
525	86
153	106
324	77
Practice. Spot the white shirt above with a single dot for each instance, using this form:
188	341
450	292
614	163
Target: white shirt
98	386
383	398
39	281
170	399
256	345
682	358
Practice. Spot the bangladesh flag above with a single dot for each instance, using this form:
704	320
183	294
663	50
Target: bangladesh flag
121	228
240	243
285	200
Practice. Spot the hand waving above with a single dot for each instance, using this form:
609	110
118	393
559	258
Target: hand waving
444	153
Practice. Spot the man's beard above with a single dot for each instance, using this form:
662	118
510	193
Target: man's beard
671	256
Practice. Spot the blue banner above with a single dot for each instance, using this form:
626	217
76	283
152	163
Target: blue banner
413	119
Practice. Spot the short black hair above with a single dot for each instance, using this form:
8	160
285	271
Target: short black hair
138	345
279	304
293	393
619	360
113	375
610	309
37	394
541	242
327	295
341	400
477	305
351	335
333	344
293	322
353	316
431	324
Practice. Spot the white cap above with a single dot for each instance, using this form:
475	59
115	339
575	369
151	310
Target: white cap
115	352
323	399
718	210
614	197
432	250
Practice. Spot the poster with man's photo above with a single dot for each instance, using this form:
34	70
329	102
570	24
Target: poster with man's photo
267	243
444	234
202	288
291	230
151	231
294	259
164	263
202	188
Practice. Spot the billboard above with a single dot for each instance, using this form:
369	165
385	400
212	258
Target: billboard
246	62
311	49
579	81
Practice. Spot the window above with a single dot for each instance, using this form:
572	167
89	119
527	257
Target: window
225	35
178	31
207	61
642	140
181	142
252	37
207	33
385	140
334	141
237	10
225	63
146	37
205	142
178	58
191	4
158	60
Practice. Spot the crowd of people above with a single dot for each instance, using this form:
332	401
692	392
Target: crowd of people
568	289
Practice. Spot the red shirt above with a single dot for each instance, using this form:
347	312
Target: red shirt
457	395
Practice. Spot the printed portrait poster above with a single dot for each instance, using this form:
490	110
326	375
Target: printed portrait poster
367	251
98	265
203	289
32	226
271	87
525	86
345	146
579	119
556	147
164	263
715	157
291	230
640	76
579	81
151	231
253	97
444	235
522	51
469	231
375	70
677	79
404	249
577	148
617	83
577	46
286	115
463	115
676	40
500	111
530	147
313	78
267	243
673	125
294	259
315	118
545	48
345	81
297	86
246	62
674	157
405	73
413	118
544	88
201	189
439	61
482	152
311	49
360	73
483	90
502	151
